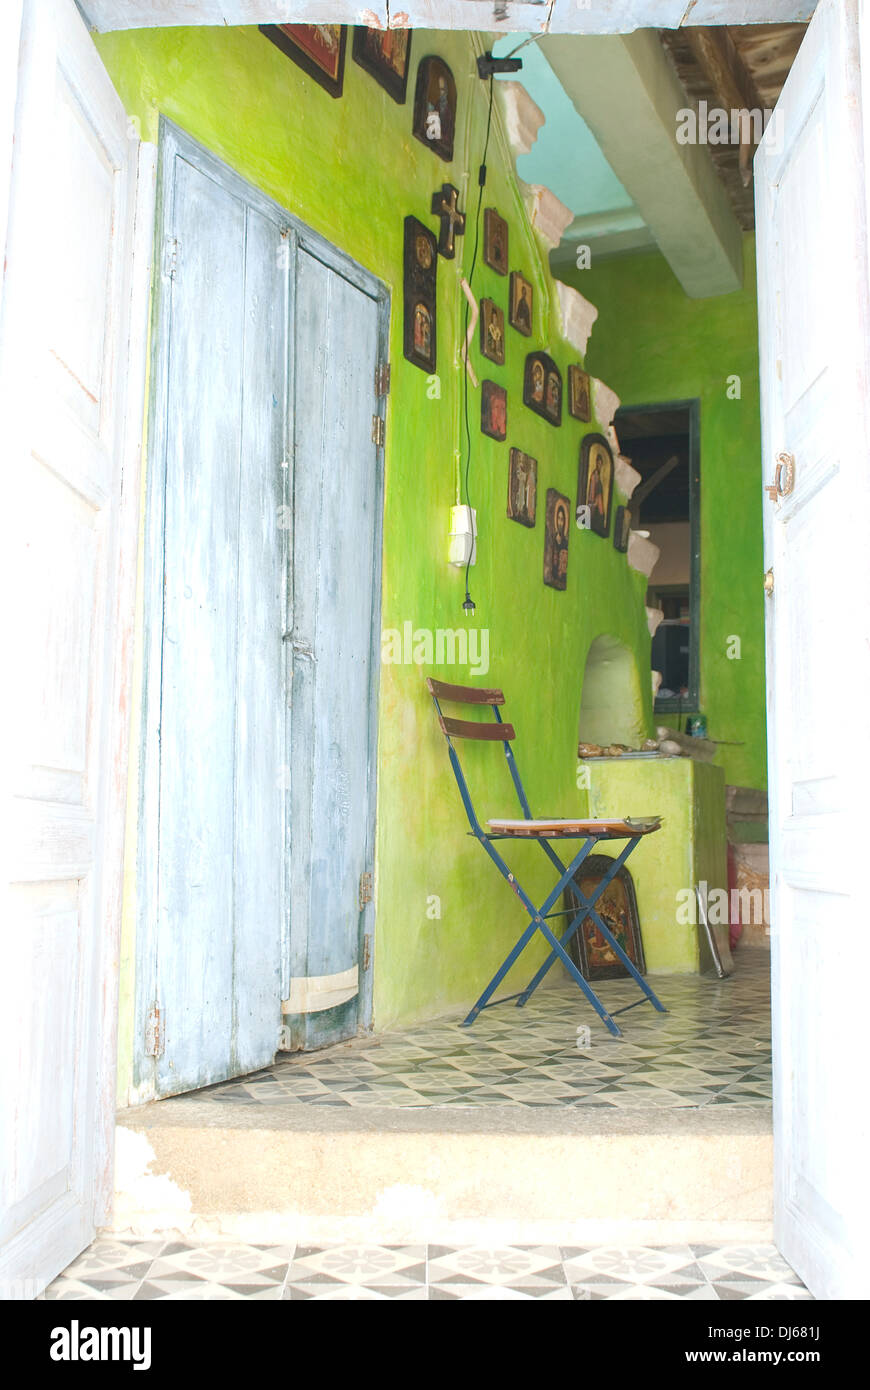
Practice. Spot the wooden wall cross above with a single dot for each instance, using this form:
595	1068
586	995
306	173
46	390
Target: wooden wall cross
445	206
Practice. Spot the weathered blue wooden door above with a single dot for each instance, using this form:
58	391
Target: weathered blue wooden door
263	533
336	508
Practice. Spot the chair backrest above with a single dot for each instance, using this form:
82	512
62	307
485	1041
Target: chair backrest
494	731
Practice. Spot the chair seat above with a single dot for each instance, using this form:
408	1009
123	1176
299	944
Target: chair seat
614	829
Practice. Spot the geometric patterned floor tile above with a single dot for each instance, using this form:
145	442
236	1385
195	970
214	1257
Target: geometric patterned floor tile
735	1262
187	1290
532	1268
647	1292
756	1290
353	1293
255	1266
77	1290
671	1265
381	1266
472	1293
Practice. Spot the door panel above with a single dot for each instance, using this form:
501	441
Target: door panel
210	1003
336	548
813	302
63	365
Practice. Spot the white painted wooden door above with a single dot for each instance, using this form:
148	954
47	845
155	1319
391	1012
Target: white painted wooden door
813	301
63	381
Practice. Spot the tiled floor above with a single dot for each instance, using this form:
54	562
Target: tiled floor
711	1048
136	1269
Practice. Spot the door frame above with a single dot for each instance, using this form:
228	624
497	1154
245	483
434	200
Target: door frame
174	141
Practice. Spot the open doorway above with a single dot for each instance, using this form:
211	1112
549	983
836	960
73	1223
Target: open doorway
812	782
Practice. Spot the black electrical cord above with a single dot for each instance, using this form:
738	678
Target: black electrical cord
468	605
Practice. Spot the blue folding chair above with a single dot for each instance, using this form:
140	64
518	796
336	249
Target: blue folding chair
590	832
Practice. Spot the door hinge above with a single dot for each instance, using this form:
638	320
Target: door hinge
154	1031
382	379
171	251
367	953
379	431
365	889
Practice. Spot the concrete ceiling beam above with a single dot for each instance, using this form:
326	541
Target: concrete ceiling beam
626	91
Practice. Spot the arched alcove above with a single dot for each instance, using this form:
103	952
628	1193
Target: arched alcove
611	706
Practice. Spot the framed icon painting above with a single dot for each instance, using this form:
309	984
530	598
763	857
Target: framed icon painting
317	48
595	483
386	55
589	949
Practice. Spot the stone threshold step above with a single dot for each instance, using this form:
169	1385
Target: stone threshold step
318	1173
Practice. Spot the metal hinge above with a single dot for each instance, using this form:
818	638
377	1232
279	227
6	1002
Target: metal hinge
365	889
379	431
171	250
154	1030
382	379
367	953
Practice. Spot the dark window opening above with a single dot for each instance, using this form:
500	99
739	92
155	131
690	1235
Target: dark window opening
662	442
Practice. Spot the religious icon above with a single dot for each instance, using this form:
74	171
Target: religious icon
385	53
422	331
553	397
492	331
423	251
495	241
435	106
317	48
542	386
556	540
579	394
421	266
520	311
595	482
621	529
522	488
590	950
445	205
493	410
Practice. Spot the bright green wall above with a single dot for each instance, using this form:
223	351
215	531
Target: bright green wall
351	169
652	343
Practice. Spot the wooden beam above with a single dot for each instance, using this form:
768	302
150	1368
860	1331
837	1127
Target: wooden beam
731	82
652	482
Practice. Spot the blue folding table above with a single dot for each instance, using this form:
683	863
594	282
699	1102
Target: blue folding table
588	832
